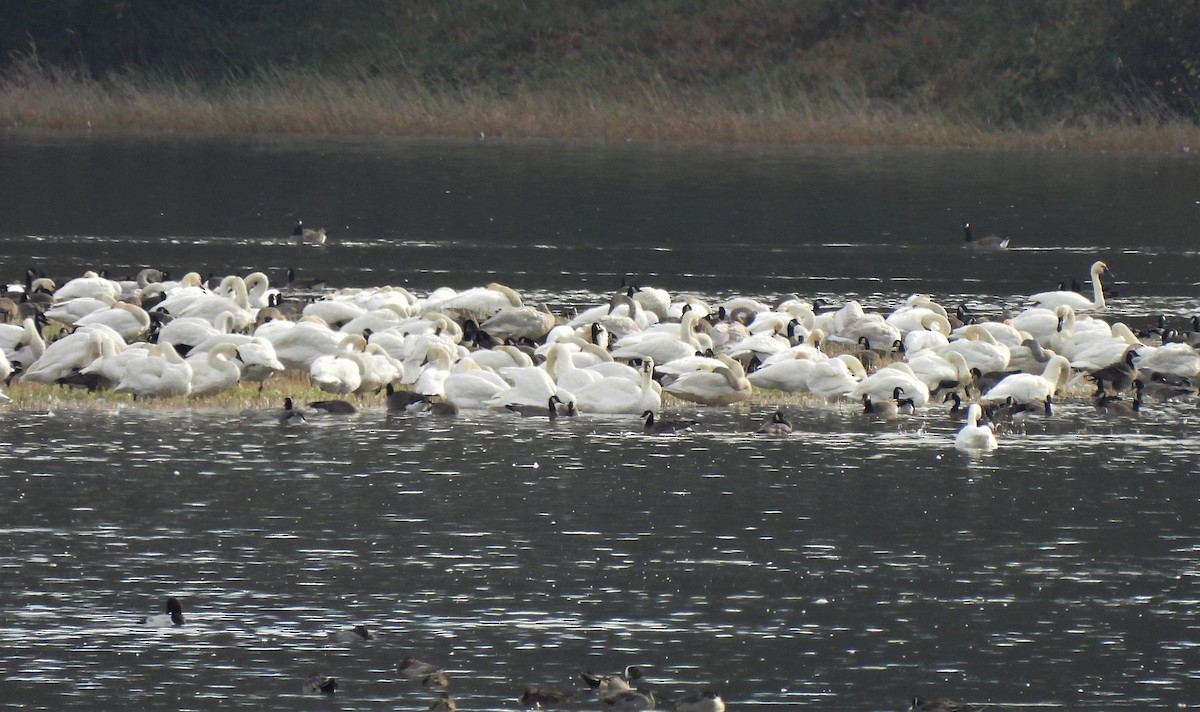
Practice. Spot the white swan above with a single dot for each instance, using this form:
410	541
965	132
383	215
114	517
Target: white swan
161	374
71	311
89	285
256	356
259	292
478	303
213	371
468	385
129	320
980	349
1175	359
790	376
973	436
832	378
340	372
1075	300
521	322
68	355
1028	388
663	345
724	386
430	378
299	343
882	384
937	371
22	343
562	369
620	396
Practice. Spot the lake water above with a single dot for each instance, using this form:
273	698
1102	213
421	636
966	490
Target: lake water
850	566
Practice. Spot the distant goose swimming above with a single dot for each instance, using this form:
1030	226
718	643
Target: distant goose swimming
318	684
651	426
427	674
776	425
290	414
308	236
942	704
987	242
172	618
335	405
539	697
357	634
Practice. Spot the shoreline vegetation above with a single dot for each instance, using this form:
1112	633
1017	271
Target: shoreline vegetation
305	104
1058	74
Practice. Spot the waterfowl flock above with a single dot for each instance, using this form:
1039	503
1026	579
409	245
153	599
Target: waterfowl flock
621	692
489	349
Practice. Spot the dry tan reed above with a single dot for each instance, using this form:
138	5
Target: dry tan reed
306	104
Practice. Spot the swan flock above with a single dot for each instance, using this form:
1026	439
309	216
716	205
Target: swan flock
490	348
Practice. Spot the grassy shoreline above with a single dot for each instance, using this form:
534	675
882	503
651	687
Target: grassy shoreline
309	104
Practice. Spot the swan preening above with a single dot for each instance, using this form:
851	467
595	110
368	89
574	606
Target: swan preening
634	352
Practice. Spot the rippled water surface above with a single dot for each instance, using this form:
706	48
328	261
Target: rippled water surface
850	566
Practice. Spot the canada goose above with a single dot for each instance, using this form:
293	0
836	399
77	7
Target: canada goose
443	408
290	415
314	284
427	674
539	697
403	401
357	634
775	425
651	426
987	242
172	618
335	406
318	684
704	700
550	409
1119	376
1119	407
308	236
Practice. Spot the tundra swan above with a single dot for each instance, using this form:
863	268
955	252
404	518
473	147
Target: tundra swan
339	372
973	435
161	374
615	395
214	371
1027	388
722	386
1075	300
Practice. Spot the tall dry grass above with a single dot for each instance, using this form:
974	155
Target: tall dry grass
33	96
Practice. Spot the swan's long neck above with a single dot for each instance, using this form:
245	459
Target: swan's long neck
1097	290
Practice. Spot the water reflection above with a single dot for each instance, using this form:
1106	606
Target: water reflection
854	562
852	565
